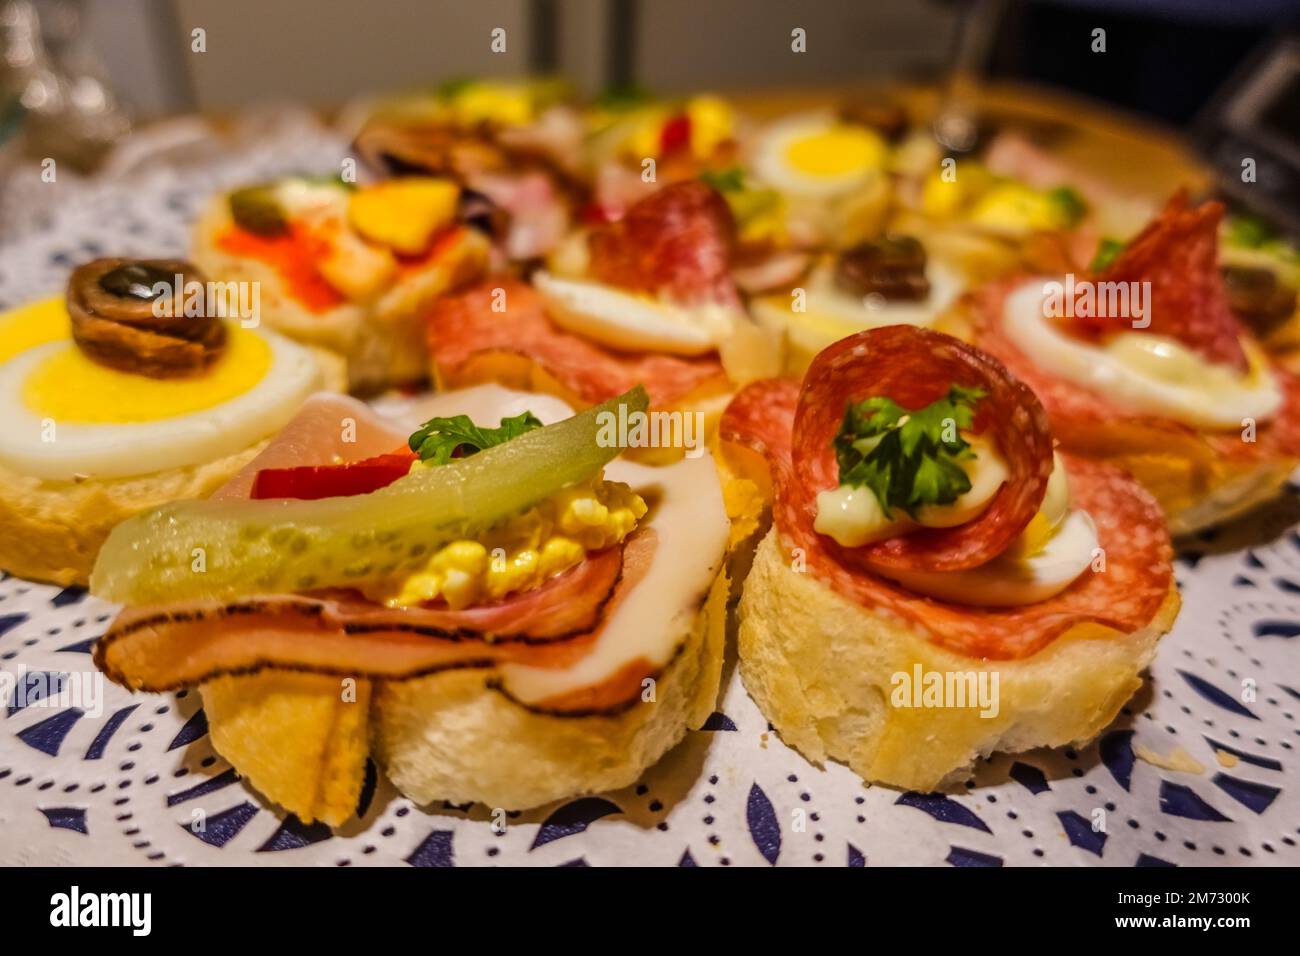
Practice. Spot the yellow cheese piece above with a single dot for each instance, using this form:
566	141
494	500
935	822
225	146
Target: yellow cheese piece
404	214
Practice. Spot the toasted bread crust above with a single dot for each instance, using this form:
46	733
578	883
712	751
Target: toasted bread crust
300	739
52	530
822	669
452	737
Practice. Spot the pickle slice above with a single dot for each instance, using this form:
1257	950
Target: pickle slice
233	548
258	210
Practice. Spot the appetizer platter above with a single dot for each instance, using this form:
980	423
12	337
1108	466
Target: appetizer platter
647	481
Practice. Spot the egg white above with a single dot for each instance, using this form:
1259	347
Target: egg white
627	321
1008	581
830	314
1194	392
141	448
771	166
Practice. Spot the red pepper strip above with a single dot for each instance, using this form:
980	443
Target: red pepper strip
675	135
333	481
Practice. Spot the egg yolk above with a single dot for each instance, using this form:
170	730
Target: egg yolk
523	552
838	151
33	324
68	387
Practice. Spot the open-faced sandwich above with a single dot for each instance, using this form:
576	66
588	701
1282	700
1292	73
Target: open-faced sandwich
515	146
347	268
635	144
847	224
647	299
498	610
131	392
1261	270
1142	363
938	583
1006	206
830	176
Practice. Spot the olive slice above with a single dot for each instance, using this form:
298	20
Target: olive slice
892	267
1257	297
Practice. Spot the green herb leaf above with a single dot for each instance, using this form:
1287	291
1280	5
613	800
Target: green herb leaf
439	439
1070	204
1249	232
1108	251
454	87
618	99
908	458
729	180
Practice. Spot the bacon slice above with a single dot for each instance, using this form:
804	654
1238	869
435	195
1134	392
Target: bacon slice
676	242
1089	423
915	367
340	633
1130	527
1178	253
464	328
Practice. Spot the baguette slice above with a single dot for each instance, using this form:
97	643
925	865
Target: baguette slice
821	668
453	737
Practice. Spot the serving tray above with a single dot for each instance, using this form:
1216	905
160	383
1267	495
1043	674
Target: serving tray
122	784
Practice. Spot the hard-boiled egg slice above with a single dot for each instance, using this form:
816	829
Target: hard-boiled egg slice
1012	580
67	417
1142	371
628	321
830	314
818	156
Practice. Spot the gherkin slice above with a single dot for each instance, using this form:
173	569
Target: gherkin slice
258	210
231	548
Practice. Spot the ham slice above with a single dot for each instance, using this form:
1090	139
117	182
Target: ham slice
552	627
340	633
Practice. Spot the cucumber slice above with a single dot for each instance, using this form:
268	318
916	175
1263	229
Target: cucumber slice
227	549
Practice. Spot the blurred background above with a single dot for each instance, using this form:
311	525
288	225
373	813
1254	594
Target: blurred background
1165	57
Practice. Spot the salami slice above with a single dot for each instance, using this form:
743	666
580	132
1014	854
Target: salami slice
1178	253
676	242
1089	423
915	367
464	328
1126	595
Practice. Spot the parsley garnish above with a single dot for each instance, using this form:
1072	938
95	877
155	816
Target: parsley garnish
621	98
729	180
1108	251
908	458
1070	204
440	439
